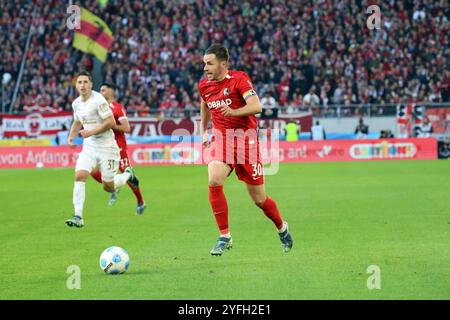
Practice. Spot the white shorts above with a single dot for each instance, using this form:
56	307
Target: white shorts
106	159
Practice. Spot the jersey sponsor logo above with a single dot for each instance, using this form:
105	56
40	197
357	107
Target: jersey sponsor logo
219	103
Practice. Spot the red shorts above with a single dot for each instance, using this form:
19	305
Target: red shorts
124	161
245	159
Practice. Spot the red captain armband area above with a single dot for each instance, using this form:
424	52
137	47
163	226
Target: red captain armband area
249	93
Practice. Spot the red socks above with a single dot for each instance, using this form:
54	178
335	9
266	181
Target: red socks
97	175
271	211
220	207
137	193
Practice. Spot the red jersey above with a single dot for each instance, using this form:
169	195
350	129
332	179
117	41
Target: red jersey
233	90
119	113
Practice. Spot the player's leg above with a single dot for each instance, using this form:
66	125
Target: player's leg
141	205
270	209
124	163
85	164
217	173
96	174
108	168
109	164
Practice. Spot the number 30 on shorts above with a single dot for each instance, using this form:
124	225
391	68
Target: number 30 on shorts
257	170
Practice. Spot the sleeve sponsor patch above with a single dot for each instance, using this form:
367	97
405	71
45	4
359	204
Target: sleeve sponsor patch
104	107
249	93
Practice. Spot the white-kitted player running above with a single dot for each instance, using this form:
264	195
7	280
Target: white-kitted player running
91	111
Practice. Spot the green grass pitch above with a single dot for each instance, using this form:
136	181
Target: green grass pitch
344	217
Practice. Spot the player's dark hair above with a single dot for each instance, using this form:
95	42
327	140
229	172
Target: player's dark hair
109	85
84	73
221	52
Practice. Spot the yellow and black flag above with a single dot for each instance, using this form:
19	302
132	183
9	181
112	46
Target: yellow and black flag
94	36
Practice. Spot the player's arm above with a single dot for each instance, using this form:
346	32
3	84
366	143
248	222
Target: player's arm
253	104
124	125
107	124
252	107
205	117
74	129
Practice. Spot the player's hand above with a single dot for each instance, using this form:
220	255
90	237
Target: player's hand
70	143
205	140
85	133
227	111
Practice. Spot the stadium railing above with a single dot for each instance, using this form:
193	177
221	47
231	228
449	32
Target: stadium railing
328	111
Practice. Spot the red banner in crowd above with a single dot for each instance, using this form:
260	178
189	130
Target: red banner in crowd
439	118
187	153
35	124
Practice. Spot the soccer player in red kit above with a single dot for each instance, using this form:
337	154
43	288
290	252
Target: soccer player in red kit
120	128
230	101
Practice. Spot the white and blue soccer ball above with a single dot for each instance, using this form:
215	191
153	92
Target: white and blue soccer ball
114	260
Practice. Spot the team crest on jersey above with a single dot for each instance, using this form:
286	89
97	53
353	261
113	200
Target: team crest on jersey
226	92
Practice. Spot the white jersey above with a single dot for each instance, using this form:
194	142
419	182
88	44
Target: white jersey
91	114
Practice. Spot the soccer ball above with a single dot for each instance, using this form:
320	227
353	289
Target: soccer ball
114	260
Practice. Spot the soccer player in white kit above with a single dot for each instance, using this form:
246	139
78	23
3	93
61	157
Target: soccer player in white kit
91	111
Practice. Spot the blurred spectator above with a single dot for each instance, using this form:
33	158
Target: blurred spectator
444	149
386	134
425	129
269	106
362	130
62	136
311	99
318	132
292	130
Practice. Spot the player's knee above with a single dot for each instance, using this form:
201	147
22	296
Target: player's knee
81	176
215	181
108	187
259	201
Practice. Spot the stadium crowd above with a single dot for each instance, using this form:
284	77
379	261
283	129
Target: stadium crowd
303	53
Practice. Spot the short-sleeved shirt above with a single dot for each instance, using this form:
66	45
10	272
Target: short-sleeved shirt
91	113
233	91
119	113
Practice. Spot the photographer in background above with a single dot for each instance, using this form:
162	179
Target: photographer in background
361	130
269	106
425	129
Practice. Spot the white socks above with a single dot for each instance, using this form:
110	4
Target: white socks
121	179
283	228
79	194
